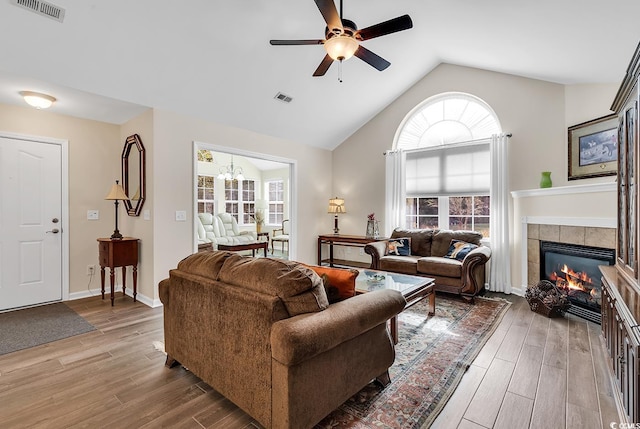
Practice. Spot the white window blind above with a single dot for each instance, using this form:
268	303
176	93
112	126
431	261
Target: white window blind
455	169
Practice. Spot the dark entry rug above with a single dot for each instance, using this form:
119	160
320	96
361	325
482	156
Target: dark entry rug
30	327
432	355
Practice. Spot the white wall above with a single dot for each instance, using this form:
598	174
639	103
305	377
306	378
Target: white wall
173	183
537	113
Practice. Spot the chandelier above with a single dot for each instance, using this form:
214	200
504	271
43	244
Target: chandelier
230	172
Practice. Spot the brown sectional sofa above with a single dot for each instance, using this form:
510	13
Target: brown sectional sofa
262	333
428	248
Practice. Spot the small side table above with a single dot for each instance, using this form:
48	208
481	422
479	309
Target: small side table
263	234
118	253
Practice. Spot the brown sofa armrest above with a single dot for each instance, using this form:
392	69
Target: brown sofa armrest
377	249
302	337
473	270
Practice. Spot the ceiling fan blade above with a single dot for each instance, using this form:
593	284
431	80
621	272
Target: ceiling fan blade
372	59
330	14
400	23
297	42
324	66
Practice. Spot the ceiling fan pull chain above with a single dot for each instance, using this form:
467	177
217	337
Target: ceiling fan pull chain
340	71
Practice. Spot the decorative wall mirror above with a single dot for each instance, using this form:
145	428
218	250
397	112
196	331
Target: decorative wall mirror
133	174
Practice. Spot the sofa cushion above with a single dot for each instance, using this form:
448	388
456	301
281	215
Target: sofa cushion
439	266
459	249
399	264
399	247
204	264
298	287
442	240
420	239
340	280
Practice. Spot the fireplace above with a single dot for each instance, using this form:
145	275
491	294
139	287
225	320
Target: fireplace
574	270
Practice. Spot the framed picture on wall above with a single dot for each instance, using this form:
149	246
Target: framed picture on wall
593	148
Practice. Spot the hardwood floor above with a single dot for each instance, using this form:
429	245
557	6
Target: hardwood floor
115	377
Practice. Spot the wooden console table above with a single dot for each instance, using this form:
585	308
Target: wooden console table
118	253
343	240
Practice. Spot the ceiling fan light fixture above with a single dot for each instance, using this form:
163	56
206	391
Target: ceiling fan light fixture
37	100
341	47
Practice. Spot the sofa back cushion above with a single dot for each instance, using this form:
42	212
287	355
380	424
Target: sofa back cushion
442	240
298	287
420	239
204	264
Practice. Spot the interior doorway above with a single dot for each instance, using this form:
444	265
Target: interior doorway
257	190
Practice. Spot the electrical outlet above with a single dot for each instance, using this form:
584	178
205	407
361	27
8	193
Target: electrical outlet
91	270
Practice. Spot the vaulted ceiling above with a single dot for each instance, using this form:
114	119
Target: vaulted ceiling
211	59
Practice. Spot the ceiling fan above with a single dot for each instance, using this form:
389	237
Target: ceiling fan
342	37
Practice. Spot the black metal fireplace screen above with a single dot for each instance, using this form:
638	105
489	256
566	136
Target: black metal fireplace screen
574	270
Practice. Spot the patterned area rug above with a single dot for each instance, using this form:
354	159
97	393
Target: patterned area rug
432	355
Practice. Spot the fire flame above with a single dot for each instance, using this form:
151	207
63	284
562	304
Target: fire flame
573	280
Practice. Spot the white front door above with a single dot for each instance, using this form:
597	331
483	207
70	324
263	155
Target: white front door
30	222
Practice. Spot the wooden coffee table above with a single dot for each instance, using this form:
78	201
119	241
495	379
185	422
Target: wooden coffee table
246	246
413	288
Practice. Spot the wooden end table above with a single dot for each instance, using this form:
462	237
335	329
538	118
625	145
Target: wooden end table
118	253
413	288
264	245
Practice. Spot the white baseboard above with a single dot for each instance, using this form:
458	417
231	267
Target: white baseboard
129	292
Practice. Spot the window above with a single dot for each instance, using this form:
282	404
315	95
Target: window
275	193
447	171
206	200
240	204
231	197
455	213
248	201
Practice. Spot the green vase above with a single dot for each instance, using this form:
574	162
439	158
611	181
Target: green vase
545	180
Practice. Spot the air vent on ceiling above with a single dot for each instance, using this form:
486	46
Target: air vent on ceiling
283	97
42	8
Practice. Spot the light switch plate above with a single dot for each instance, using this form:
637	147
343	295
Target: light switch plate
181	216
93	215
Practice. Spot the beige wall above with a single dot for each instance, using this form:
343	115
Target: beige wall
94	154
537	113
173	183
138	226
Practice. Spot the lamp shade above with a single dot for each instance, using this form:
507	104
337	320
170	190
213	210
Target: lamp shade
116	193
341	47
336	205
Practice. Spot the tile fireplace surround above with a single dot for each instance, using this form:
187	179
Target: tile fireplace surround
581	231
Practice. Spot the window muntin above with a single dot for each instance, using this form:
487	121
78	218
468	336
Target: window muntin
469	213
275	194
240	200
206	195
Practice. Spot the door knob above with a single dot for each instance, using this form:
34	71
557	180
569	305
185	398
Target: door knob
54	231
55	220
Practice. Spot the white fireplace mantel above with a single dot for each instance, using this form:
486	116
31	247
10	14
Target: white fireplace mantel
565	190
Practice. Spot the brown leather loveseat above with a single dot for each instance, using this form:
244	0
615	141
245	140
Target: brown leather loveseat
262	333
465	277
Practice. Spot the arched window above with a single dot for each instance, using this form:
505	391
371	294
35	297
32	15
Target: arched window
446	139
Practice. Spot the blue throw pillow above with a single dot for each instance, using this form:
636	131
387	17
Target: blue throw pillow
399	246
459	249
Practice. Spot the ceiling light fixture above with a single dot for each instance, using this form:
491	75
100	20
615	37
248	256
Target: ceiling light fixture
230	172
341	47
37	100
